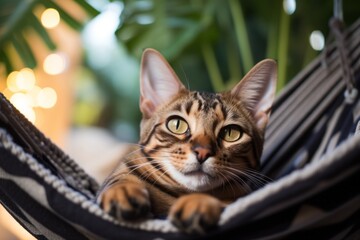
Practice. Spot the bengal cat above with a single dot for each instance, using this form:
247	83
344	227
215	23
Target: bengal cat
197	150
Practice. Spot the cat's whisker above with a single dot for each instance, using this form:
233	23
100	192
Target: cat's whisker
141	148
264	177
137	166
227	181
132	153
148	159
186	79
258	180
147	174
247	172
238	179
159	177
253	176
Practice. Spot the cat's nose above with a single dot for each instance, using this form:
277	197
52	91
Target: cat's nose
202	153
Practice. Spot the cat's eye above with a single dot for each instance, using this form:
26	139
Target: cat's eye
231	133
177	125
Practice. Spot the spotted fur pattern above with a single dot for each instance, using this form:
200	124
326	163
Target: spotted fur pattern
191	175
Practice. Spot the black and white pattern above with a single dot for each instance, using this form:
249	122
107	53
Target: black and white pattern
312	152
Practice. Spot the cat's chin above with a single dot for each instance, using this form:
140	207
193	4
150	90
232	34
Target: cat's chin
198	181
194	176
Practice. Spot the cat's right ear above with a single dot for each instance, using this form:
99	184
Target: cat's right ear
257	91
158	82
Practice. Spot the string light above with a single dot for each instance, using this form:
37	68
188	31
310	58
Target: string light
50	18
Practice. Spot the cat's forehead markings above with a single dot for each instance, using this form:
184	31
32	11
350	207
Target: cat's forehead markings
206	100
177	107
188	106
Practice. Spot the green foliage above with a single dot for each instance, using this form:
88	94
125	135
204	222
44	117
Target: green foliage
17	16
210	43
228	36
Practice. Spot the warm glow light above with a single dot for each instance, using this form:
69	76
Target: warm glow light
26	79
54	64
19	100
22	102
21	81
46	98
25	95
317	40
29	113
11	81
33	95
50	18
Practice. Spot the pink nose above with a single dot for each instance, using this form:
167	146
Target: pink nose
202	153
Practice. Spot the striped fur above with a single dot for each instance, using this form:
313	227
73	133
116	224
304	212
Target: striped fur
164	171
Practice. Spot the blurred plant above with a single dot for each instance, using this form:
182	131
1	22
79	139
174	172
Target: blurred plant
17	17
210	43
216	30
228	36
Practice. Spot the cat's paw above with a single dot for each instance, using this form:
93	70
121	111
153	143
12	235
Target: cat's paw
196	213
126	201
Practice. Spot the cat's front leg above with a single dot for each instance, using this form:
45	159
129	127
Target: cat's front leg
196	213
126	199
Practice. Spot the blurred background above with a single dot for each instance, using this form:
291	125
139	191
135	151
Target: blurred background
72	66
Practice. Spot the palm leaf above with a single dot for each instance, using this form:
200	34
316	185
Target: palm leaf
23	49
39	29
175	25
17	16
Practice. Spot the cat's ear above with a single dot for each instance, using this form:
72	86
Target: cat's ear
158	82
257	91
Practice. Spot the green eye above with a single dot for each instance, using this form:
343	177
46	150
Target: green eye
231	133
177	125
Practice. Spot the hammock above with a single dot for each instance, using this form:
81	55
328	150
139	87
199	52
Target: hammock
312	152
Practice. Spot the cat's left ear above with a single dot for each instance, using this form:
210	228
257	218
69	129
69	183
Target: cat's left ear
257	91
158	82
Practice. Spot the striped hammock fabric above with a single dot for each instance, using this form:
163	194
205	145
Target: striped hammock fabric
312	153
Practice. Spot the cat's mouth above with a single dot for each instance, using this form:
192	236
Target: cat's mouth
196	173
198	170
199	180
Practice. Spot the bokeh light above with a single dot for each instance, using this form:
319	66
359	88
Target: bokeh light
289	6
26	96
23	80
46	98
50	18
317	40
55	63
26	79
33	94
11	81
24	104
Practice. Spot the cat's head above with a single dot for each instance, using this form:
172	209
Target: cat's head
203	140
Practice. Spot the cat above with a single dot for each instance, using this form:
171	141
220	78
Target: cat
197	150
